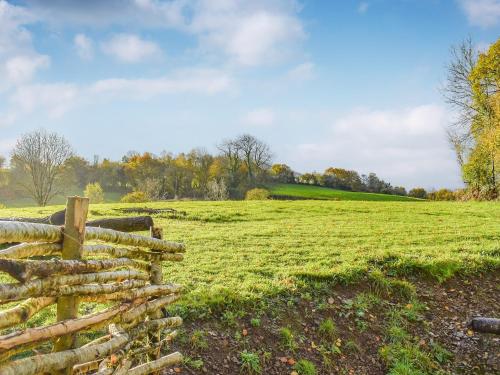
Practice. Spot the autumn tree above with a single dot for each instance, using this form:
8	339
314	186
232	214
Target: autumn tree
37	164
473	91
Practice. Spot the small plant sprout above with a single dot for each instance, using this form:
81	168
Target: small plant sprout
288	339
327	329
305	367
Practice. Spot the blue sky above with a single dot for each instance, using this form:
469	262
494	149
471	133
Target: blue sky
353	84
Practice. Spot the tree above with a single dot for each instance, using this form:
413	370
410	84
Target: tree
94	192
472	90
282	173
37	159
418	192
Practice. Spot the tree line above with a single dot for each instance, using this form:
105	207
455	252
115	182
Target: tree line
43	165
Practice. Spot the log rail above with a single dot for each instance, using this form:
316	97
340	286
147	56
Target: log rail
80	262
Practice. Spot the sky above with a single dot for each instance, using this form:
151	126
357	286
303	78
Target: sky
351	84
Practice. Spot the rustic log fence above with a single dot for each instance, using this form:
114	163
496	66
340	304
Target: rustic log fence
53	265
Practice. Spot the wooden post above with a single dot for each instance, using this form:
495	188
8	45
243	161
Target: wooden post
74	234
156	278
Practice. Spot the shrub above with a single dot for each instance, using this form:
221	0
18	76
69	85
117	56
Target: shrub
134	197
217	190
257	194
328	329
250	363
2	206
418	193
305	367
442	195
94	192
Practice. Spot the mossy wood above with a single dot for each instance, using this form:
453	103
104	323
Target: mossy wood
127	279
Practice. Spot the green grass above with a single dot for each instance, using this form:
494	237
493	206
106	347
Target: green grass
323	193
243	251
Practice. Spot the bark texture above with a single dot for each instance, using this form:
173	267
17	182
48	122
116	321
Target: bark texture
24	311
122	252
24	270
27	250
148	291
159	364
66	359
14	231
58	285
127	239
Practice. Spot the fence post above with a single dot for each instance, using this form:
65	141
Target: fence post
156	278
74	233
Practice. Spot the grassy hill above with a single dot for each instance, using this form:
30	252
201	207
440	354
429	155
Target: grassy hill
334	283
323	193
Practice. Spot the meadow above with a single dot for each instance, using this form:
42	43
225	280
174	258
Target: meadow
243	250
324	286
298	191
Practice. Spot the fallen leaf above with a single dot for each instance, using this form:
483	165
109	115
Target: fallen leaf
291	361
244	332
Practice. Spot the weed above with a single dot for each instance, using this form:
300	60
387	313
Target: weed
250	363
288	339
305	367
198	340
229	318
352	346
196	364
440	354
328	329
255	322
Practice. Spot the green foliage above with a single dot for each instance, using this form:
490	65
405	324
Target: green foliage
135	197
255	322
418	193
328	329
94	192
250	363
305	367
198	340
323	193
441	195
196	364
287	339
257	194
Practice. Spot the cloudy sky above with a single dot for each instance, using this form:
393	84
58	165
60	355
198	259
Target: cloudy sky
353	84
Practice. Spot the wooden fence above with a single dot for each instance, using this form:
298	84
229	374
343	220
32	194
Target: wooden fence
65	271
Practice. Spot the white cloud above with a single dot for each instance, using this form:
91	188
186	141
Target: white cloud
130	48
84	46
202	81
21	69
405	146
55	99
484	13
302	72
249	33
363	7
19	62
260	117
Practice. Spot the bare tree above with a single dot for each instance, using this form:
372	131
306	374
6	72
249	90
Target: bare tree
254	153
231	153
458	93
37	160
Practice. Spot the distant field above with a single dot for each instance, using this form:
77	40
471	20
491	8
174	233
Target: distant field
318	192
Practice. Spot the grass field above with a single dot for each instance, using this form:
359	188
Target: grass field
323	193
243	250
266	269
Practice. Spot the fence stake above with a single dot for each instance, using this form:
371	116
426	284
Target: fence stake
74	234
156	278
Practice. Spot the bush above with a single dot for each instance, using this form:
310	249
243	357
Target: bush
442	195
418	193
305	367
257	194
2	206
94	192
135	197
